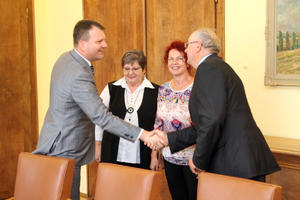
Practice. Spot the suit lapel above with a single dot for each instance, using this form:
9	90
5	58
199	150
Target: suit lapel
79	59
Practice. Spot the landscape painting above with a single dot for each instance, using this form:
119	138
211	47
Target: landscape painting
288	32
283	43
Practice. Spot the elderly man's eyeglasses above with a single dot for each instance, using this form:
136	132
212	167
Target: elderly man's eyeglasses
188	43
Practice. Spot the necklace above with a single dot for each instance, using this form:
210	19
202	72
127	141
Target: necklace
131	102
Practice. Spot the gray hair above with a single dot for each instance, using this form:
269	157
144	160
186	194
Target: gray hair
208	38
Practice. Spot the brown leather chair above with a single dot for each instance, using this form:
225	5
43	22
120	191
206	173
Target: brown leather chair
216	187
43	177
126	183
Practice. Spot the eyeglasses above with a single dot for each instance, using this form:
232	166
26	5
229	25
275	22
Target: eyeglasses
187	43
134	69
178	59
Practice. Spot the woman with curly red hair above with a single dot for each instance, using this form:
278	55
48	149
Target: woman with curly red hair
172	115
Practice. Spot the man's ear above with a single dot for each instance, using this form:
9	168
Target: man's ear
199	46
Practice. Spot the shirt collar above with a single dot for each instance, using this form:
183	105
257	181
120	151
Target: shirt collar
83	57
202	60
145	84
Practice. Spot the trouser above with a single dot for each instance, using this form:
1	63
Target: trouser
75	193
181	181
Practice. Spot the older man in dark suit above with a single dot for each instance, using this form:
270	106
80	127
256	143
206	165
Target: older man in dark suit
227	138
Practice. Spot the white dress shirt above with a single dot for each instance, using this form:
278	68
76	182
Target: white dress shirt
128	152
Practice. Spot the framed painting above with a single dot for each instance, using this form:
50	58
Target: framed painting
283	45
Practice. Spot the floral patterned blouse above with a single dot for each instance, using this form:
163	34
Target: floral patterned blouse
172	115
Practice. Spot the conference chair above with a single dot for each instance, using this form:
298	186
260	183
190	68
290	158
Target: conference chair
42	177
126	183
216	187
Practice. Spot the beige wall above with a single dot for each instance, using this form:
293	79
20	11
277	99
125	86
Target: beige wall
54	22
276	109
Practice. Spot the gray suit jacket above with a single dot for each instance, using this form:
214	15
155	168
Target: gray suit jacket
75	106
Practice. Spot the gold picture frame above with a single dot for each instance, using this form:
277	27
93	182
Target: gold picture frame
282	38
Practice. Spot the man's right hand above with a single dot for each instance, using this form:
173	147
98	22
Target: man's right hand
193	167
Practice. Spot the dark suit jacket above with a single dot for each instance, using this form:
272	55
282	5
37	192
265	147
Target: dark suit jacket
227	138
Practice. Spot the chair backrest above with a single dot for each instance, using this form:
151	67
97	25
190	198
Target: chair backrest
216	187
126	183
43	177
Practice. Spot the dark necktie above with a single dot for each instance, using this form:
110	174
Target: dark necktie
92	69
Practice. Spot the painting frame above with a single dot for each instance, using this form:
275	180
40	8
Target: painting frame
272	78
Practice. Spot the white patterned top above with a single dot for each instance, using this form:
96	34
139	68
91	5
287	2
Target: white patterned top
173	114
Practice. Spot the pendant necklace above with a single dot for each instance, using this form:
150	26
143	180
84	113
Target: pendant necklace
131	102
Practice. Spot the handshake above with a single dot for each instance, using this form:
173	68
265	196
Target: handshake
155	139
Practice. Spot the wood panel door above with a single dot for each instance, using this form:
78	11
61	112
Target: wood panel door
148	25
18	104
124	23
174	20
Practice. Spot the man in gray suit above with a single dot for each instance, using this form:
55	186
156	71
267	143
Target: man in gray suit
75	105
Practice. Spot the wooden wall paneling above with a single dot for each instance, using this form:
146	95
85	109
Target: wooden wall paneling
288	177
287	154
18	95
220	25
32	137
124	23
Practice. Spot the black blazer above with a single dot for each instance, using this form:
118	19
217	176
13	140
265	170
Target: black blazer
146	115
227	138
